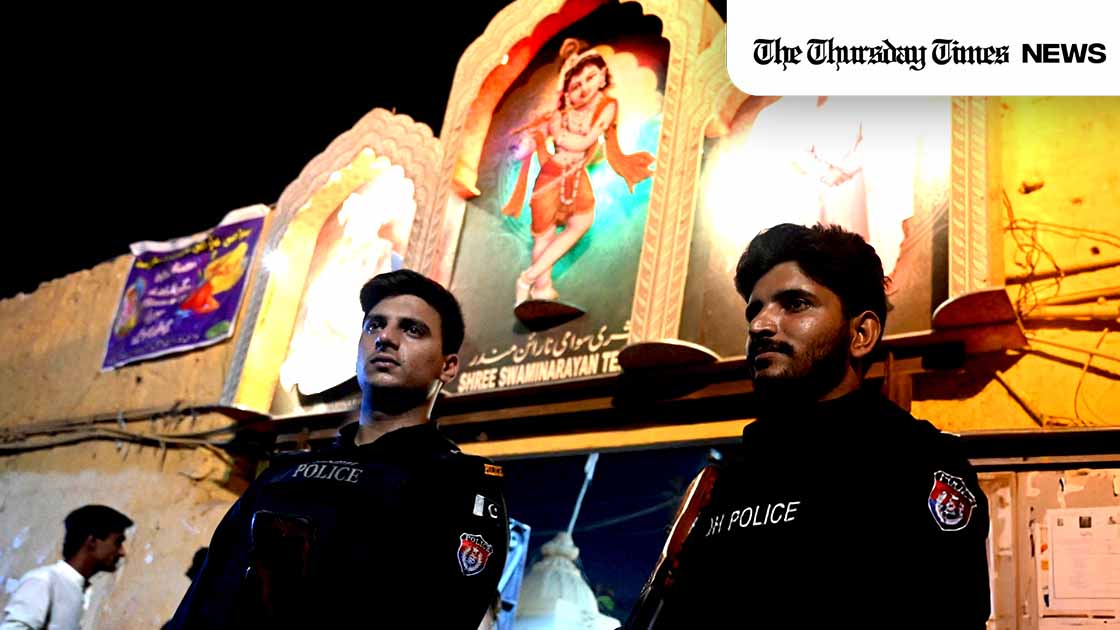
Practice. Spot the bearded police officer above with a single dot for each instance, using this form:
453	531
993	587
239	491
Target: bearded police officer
840	509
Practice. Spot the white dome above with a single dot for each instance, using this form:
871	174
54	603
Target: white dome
554	595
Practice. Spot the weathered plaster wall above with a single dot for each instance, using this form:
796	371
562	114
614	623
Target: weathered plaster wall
1068	151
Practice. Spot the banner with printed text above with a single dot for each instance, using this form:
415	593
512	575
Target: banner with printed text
185	293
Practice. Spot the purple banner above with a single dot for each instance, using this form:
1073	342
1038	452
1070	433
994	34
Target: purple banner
184	294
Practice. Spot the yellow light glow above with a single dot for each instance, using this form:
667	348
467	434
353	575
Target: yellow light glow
276	262
847	161
375	220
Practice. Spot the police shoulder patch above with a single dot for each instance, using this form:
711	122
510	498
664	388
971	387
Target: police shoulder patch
951	503
473	553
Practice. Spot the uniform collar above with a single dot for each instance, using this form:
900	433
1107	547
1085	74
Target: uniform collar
843	413
422	437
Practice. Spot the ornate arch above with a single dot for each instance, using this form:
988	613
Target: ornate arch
304	207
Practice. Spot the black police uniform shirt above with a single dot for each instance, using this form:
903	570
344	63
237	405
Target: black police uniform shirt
844	513
405	531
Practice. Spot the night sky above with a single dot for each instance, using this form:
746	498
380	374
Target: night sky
127	127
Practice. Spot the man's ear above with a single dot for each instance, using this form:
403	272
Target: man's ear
450	368
865	332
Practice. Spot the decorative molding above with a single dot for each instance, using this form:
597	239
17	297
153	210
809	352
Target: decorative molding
659	287
303	208
970	239
407	143
708	91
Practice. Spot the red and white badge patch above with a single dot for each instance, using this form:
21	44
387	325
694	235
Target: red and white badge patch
474	551
950	502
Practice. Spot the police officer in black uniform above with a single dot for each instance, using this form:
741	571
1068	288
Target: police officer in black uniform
392	526
840	509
